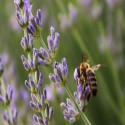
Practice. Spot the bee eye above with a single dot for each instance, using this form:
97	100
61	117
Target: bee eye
86	66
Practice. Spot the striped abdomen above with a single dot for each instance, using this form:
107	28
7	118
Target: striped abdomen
91	80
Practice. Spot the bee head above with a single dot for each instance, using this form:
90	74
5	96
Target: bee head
85	66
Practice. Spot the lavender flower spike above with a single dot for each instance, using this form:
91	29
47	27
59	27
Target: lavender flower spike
53	43
60	73
70	112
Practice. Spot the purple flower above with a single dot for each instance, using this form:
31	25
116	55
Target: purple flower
27	6
53	42
70	111
60	73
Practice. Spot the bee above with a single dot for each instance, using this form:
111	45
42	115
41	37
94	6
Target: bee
86	74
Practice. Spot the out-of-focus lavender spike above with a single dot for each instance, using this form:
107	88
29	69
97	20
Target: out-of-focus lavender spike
32	66
51	113
25	63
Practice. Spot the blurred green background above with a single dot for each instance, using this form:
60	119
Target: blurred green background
94	26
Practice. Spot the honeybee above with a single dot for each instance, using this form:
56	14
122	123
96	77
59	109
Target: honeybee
86	74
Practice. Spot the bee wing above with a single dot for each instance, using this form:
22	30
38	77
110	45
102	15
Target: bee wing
85	57
96	67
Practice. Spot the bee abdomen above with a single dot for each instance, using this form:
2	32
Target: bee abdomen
92	82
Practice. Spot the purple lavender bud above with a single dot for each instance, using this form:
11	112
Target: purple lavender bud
11	93
19	19
63	105
7	98
1	99
33	106
25	63
64	63
29	31
32	29
35	118
38	21
33	22
14	115
28	6
69	102
51	113
26	17
1	67
46	121
45	93
46	62
64	73
75	74
40	106
30	41
42	99
40	62
44	53
72	119
39	85
47	110
50	43
52	78
40	120
79	89
39	15
27	85
34	98
76	97
32	66
24	43
52	30
58	79
35	56
56	41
